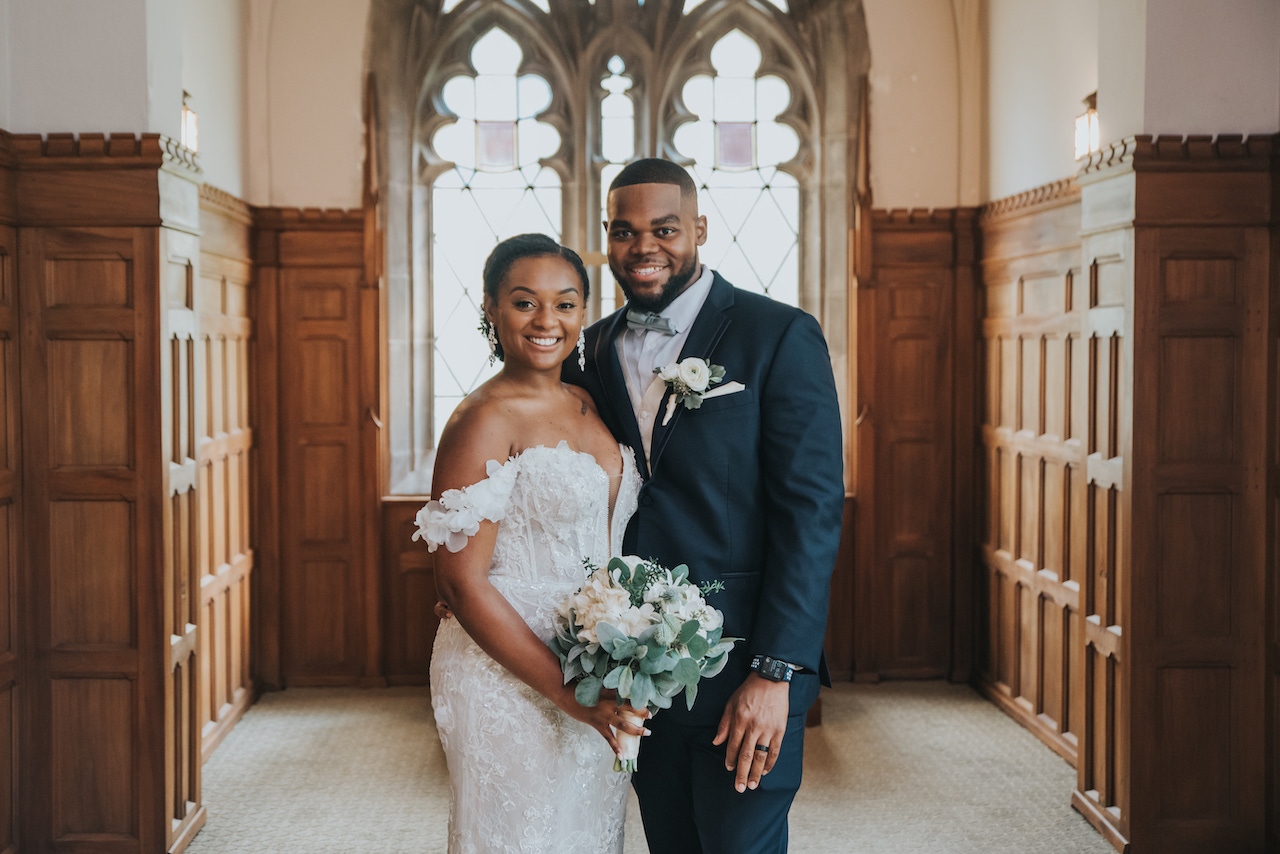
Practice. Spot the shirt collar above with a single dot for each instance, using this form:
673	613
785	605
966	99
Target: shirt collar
684	309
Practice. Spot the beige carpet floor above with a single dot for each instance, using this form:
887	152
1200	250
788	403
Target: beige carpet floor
896	767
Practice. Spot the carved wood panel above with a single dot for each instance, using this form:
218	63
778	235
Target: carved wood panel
223	557
1176	244
90	386
1034	407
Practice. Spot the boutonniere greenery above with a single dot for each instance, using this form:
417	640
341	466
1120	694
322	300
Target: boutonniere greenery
688	380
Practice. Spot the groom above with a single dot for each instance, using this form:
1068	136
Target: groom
746	489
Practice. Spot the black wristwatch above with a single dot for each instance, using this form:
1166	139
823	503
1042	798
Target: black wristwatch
773	669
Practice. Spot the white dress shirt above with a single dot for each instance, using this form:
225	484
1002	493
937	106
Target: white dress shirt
642	350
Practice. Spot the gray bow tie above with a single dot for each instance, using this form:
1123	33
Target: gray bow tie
647	321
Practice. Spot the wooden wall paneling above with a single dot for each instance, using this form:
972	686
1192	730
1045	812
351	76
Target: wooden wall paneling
180	390
410	581
1033	410
265	468
1273	521
324	487
12	589
905	619
105	755
224	442
1176	234
839	643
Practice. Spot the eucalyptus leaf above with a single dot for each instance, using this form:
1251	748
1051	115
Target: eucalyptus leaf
698	647
651	665
687	671
577	651
648	634
688	630
680	573
713	636
662	701
654	650
573	671
588	691
609	635
668	685
588	662
669	661
624	682
624	649
641	690
620	564
714	666
611	681
690	694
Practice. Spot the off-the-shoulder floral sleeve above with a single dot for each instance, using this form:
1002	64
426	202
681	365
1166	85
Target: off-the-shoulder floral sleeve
456	516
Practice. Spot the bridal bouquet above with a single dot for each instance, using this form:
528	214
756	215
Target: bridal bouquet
642	630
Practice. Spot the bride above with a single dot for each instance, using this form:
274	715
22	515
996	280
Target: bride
530	483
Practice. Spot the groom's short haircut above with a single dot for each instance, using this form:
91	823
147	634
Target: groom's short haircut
655	170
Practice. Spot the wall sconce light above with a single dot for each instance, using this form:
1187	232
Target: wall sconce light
190	129
1087	140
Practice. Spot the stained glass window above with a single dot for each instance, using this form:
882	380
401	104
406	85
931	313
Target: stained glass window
737	146
495	189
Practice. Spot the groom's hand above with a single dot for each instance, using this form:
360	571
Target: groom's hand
754	718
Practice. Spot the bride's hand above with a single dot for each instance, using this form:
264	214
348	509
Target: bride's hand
607	713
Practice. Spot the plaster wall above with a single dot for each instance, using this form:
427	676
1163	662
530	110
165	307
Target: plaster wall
6	55
914	103
213	72
1237	92
305	82
78	65
1042	62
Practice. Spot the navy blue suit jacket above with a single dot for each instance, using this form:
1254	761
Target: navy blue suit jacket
747	489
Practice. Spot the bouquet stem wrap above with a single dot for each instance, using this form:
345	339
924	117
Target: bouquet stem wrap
629	744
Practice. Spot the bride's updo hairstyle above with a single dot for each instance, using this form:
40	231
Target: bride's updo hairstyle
511	250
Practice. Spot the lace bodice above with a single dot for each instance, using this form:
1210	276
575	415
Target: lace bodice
524	776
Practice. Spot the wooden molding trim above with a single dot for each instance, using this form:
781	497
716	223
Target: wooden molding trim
64	151
308	219
944	218
1045	197
226	204
1200	153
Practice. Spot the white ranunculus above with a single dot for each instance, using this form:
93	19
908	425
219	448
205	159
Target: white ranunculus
695	374
667	373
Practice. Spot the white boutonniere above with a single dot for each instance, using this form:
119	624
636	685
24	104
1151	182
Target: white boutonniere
688	380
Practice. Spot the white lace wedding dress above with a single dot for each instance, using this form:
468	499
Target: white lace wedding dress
524	776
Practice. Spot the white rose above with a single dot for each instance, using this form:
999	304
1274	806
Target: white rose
667	373
695	374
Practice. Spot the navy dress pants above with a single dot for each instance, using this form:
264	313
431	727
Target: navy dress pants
688	801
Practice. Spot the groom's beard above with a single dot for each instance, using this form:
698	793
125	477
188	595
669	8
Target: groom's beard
672	289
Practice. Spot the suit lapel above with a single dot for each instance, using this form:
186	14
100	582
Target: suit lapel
708	328
615	385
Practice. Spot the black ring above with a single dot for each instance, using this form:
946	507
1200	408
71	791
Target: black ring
762	747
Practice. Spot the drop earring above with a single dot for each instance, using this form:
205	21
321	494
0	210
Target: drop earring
582	349
487	328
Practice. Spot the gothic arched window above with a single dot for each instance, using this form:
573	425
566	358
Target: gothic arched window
518	113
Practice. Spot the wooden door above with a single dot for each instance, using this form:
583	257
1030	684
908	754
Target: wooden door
323	489
905	573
